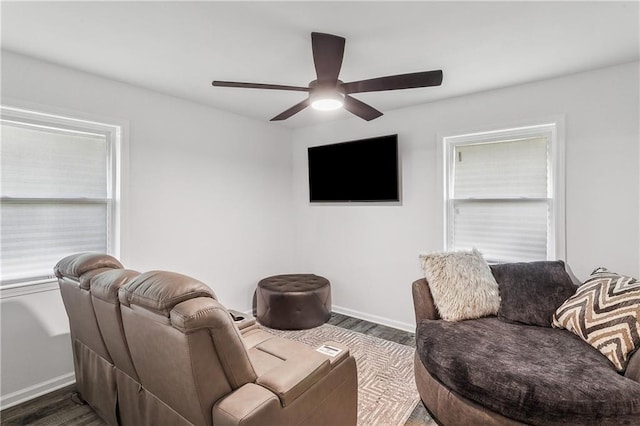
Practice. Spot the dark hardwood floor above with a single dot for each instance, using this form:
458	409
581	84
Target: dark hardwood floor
57	408
53	409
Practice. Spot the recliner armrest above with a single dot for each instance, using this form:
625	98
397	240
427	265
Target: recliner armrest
334	357
295	376
250	404
247	325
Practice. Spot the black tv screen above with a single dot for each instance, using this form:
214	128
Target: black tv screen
359	171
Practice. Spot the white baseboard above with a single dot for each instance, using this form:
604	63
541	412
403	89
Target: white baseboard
411	328
39	389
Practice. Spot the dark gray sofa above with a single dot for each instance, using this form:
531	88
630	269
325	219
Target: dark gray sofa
494	372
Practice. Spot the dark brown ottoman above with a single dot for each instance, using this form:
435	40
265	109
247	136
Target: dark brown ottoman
293	302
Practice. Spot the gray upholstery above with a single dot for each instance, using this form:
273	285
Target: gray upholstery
532	374
491	372
531	292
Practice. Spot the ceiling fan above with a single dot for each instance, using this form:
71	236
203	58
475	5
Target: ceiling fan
327	92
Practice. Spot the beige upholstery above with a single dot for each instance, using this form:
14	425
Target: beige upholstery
104	294
94	370
178	357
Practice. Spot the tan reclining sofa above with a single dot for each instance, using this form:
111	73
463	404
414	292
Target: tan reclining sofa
158	348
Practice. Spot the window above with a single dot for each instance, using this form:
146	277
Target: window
59	193
503	194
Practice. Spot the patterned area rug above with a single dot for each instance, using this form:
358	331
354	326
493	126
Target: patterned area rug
386	389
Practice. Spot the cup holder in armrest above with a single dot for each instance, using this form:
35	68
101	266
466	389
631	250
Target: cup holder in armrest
236	317
244	322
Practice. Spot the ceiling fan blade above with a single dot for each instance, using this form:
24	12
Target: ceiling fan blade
291	111
395	82
360	109
328	51
258	86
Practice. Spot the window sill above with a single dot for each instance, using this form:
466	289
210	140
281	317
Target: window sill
28	288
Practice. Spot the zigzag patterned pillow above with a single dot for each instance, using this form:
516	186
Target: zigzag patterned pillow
605	312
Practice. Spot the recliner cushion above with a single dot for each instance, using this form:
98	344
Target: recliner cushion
160	291
77	264
536	375
106	285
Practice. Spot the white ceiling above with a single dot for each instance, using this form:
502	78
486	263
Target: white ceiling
179	47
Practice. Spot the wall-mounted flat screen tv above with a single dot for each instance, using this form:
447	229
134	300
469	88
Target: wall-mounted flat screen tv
358	171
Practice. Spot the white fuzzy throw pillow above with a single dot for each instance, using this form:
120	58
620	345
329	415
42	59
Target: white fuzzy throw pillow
461	284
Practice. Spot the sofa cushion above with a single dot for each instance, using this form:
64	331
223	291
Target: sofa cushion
605	312
531	292
535	375
461	284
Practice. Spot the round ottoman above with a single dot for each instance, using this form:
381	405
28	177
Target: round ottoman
293	301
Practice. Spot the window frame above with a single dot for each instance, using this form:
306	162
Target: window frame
115	134
553	129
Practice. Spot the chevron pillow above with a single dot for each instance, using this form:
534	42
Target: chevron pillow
605	312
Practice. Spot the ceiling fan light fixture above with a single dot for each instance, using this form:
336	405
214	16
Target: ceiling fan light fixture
326	101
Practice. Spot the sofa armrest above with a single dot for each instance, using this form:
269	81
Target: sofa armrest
250	404
295	376
633	367
423	301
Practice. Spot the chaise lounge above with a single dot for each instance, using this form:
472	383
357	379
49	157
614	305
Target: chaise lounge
513	367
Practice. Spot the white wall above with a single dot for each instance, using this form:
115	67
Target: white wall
35	348
208	195
213	195
369	253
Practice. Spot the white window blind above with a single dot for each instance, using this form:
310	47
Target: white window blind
500	194
509	169
57	194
